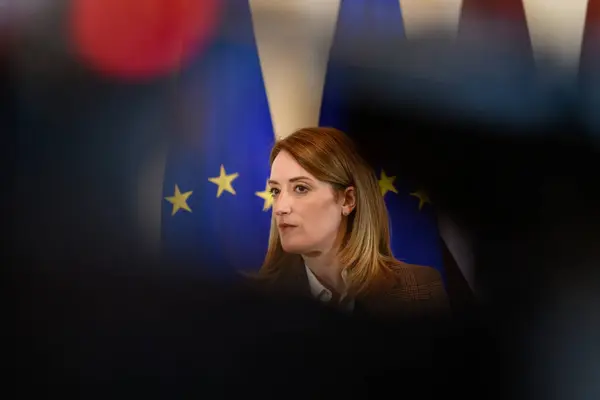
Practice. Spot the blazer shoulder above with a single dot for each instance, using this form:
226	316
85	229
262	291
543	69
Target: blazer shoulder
411	275
422	287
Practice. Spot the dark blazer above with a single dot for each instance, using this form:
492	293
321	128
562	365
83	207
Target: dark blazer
411	291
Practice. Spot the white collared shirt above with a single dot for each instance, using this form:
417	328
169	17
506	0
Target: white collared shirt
321	293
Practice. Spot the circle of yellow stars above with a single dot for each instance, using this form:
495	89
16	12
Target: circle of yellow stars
224	183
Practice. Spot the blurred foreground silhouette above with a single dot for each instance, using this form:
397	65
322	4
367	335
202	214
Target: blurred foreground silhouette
510	155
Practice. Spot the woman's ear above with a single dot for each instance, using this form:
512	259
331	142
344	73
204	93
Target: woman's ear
349	200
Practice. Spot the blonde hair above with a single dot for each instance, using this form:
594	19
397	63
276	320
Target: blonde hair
331	156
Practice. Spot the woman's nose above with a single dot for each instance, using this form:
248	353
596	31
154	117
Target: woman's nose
282	210
281	205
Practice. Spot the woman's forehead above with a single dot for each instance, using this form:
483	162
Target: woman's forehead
286	168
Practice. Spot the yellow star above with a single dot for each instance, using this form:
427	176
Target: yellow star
224	181
266	196
386	183
179	201
423	198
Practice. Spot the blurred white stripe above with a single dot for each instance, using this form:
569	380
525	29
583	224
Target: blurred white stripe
424	15
150	198
294	38
556	29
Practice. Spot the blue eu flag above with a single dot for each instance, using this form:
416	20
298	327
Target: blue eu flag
415	236
216	209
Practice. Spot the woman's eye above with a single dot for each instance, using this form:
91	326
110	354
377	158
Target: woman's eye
301	189
274	191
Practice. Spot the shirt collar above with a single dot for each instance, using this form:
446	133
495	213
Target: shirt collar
321	293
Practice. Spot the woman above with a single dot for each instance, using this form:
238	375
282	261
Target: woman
330	237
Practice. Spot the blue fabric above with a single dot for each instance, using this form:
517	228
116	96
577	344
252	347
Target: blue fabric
229	125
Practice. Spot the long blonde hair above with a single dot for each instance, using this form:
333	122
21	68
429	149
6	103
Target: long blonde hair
331	156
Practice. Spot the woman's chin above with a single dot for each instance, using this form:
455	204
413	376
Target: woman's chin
292	248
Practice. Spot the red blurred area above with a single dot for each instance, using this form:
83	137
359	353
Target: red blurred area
476	16
510	9
591	34
141	38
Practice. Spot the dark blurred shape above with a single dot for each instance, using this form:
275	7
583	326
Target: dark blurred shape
502	150
137	328
141	39
563	349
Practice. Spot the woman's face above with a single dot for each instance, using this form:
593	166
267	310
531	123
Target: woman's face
307	211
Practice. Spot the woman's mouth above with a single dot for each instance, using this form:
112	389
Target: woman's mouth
286	226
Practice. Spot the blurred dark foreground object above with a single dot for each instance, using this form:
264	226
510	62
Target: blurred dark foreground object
505	149
135	328
526	190
510	153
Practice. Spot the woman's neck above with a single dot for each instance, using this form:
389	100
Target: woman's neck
327	269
